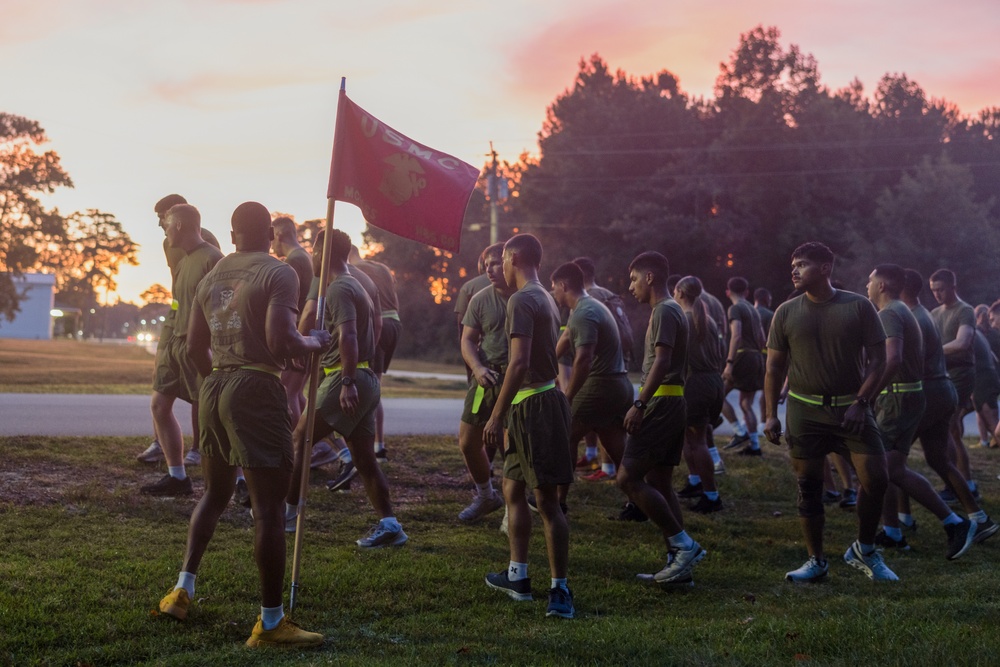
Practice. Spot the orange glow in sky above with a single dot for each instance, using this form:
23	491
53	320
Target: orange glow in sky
225	101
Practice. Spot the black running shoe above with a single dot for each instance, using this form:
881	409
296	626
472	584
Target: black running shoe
706	506
737	440
343	478
690	491
168	487
632	513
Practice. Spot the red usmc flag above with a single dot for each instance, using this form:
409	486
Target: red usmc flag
400	186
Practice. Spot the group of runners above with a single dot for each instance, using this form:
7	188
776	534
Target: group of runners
863	377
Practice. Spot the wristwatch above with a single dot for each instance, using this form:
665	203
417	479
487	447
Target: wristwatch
639	405
863	402
348	382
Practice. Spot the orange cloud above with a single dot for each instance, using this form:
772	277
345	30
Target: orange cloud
218	89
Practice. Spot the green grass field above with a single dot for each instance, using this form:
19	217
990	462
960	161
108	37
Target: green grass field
85	560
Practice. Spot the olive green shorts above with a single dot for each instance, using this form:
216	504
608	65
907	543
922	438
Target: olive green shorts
330	414
175	374
703	393
538	441
386	347
748	371
898	416
660	439
985	391
603	401
479	402
815	431
964	379
941	403
243	418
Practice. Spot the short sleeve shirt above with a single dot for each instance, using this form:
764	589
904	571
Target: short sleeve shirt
934	364
346	301
899	322
749	320
591	323
235	296
667	326
532	313
487	313
300	260
705	355
386	284
190	271
948	319
825	341
766	314
985	365
360	276
468	289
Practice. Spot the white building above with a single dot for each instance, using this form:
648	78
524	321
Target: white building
34	320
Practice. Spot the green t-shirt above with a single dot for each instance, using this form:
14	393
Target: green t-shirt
705	355
986	368
346	301
716	312
360	276
190	270
386	284
591	323
301	261
532	313
235	296
948	319
667	326
744	313
899	322
469	289
766	315
487	313
825	342
934	364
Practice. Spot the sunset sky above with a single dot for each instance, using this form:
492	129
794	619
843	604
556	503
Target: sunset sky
229	100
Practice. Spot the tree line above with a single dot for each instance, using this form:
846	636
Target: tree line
730	185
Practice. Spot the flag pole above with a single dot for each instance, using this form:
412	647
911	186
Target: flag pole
307	442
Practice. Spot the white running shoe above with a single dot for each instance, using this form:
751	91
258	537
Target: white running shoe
192	458
152	454
679	566
810	572
379	536
480	507
871	564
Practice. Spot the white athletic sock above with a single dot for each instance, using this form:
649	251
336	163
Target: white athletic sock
240	477
177	471
517	571
951	520
608	468
345	455
694	480
894	533
906	519
485	490
754	442
390	524
681	540
972	485
866	548
291	510
271	616
741	428
186	581
591	453
712	495
714	453
559	583
978	517
379	446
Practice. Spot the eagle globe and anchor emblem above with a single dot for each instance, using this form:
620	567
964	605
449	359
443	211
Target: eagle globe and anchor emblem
403	178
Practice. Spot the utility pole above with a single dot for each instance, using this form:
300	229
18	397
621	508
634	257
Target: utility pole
494	189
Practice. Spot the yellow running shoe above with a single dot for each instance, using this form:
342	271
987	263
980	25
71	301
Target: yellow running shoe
176	604
286	633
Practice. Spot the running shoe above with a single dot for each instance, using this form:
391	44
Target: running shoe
849	500
286	633
379	536
681	564
192	458
176	604
985	531
322	453
631	512
706	506
830	497
382	455
168	487
883	540
152	454
242	493
948	496
599	476
587	464
720	467
750	451
960	538
871	564
737	440
690	491
519	590
342	481
812	571
480	507
560	603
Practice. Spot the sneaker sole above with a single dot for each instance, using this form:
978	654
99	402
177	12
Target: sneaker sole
513	595
678	583
552	613
174	611
986	534
859	564
970	539
398	541
479	517
253	642
686	572
813	580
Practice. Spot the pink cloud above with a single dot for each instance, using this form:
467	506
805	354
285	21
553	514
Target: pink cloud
215	89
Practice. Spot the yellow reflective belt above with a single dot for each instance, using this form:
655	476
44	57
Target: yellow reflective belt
835	401
390	314
174	305
531	391
903	387
668	390
338	367
477	399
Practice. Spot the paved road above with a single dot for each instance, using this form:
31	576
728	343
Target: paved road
111	415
